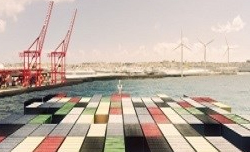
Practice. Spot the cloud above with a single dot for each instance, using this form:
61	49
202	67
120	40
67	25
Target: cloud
2	26
236	25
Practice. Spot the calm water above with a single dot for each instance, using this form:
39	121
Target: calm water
232	90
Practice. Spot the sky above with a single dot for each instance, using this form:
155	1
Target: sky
128	30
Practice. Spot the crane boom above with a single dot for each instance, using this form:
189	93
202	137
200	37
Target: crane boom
40	39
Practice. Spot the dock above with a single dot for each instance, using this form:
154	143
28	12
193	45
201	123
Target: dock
121	123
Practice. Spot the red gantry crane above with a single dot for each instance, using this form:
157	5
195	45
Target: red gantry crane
58	57
32	71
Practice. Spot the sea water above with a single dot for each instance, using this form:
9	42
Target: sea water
233	90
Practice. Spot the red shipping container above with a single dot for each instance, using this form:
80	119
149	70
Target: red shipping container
185	104
61	95
50	144
117	97
222	119
155	111
115	111
161	119
151	130
198	99
2	138
75	99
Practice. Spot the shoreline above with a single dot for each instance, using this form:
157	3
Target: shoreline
75	81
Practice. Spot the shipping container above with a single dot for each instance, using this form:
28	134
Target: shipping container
222	106
97	130
134	140
61	130
93	144
210	127
142	111
115	129
237	135
64	99
161	119
41	119
186	130
43	130
222	144
79	130
221	119
115	119
75	99
201	144
71	144
237	119
29	144
50	144
10	143
65	109
85	119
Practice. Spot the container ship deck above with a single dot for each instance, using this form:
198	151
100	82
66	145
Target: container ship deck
121	123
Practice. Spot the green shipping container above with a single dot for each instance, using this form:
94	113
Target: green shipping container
64	110
41	119
181	111
194	111
116	143
105	99
237	119
89	111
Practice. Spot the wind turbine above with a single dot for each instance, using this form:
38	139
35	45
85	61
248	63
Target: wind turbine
182	46
205	51
227	51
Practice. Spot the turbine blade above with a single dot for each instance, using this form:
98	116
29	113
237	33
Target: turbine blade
177	47
210	42
187	47
200	41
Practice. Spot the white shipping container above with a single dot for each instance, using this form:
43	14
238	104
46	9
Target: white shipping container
70	119
29	144
64	99
191	119
126	99
34	105
115	119
169	130
163	96
85	119
54	99
168	111
176	119
97	130
222	144
220	111
174	105
222	106
200	144
85	99
179	144
71	144
157	99
239	129
76	111
147	100
136	99
193	103
128	110
93	105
